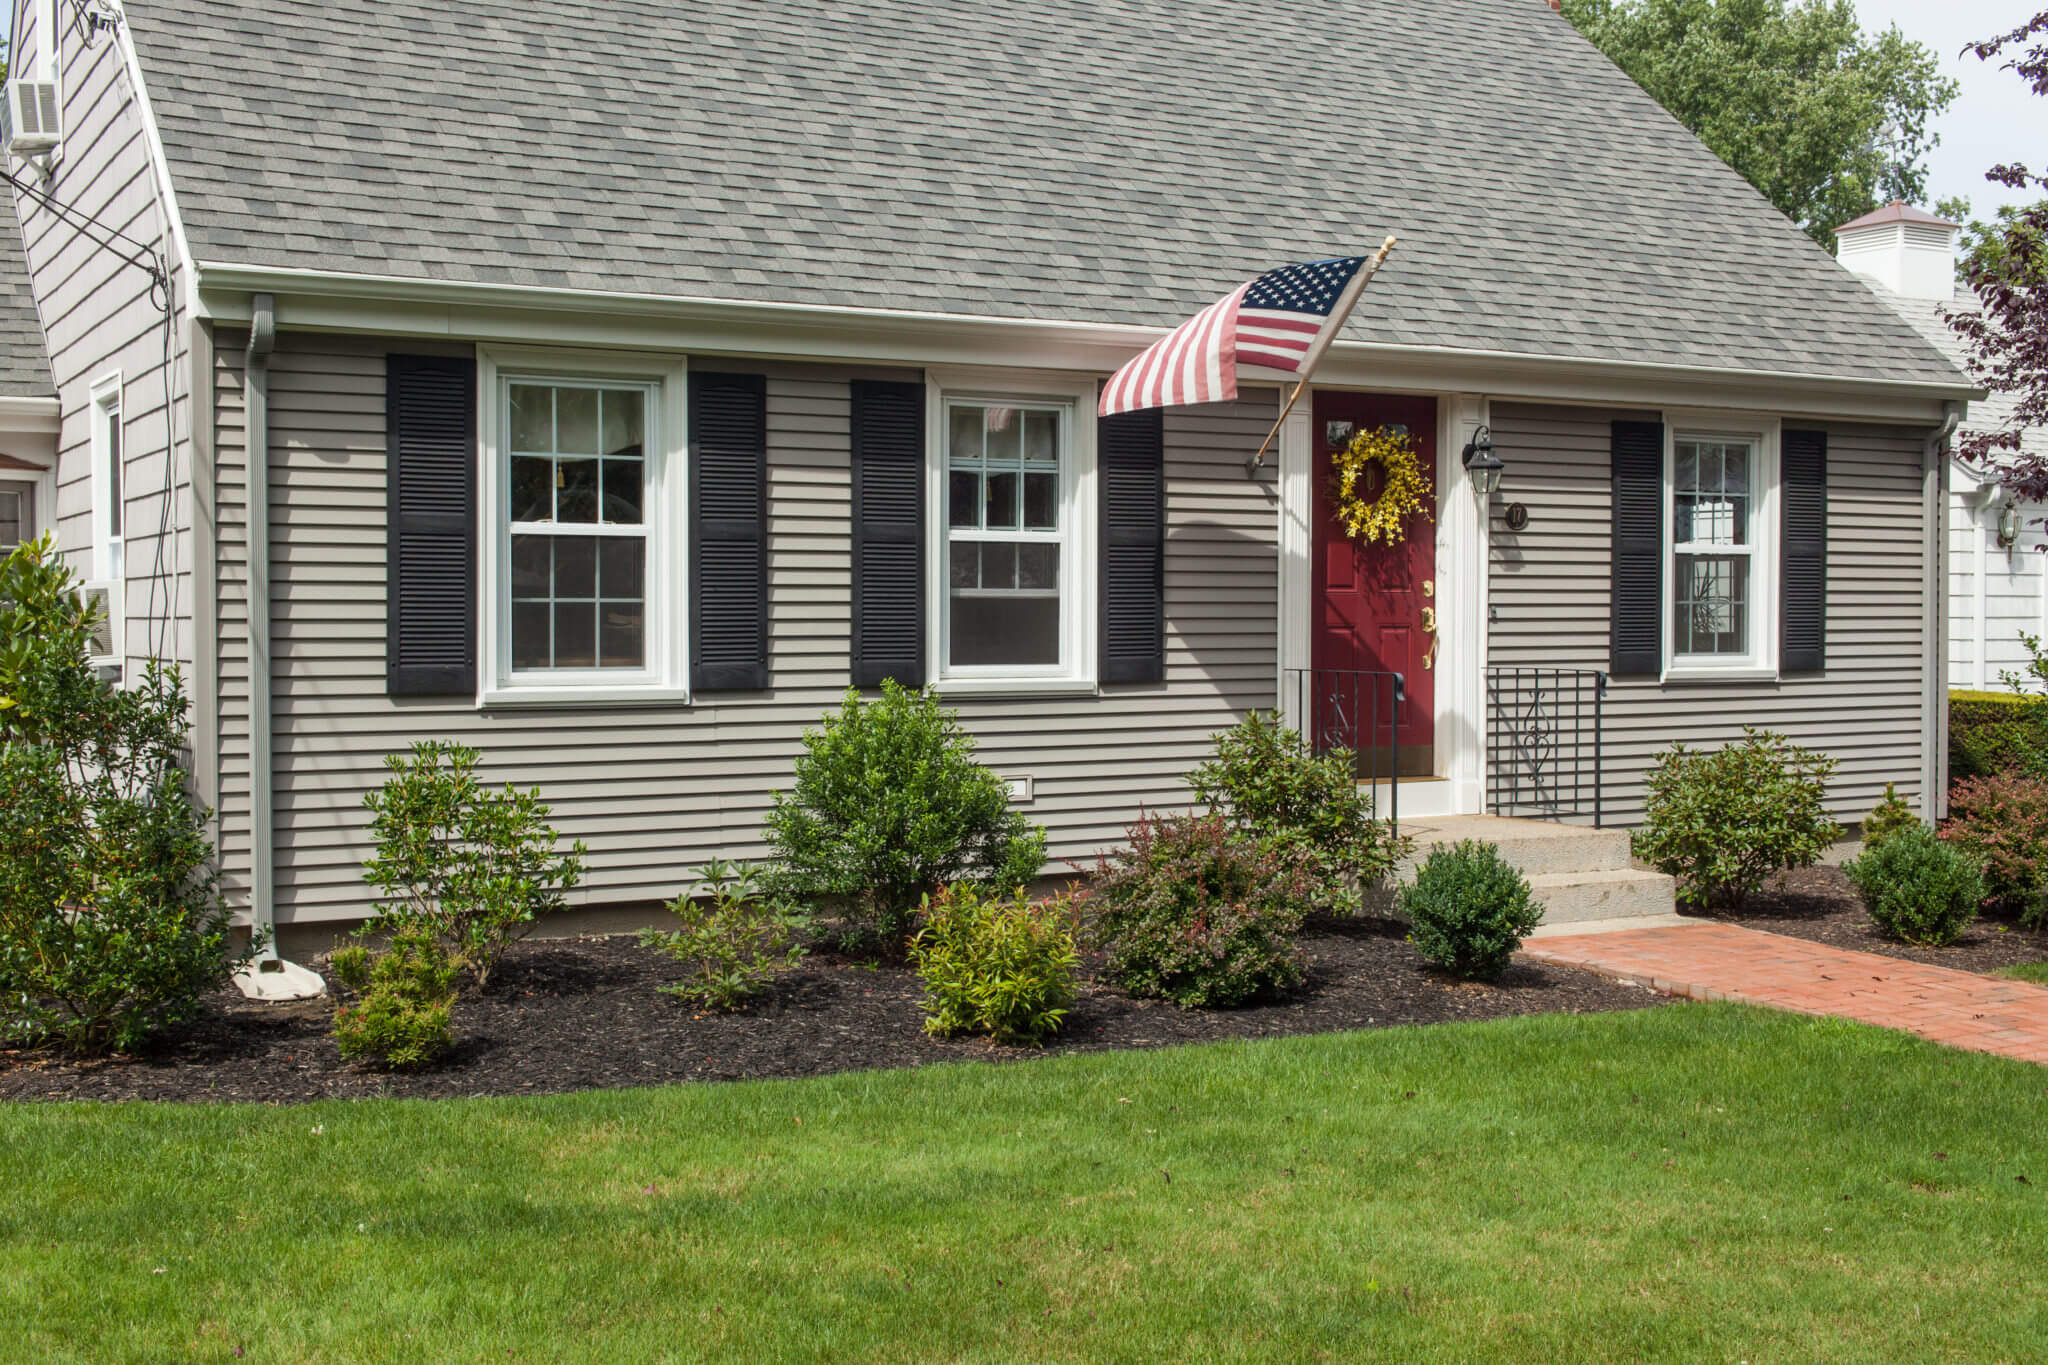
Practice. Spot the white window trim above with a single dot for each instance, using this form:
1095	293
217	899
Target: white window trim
49	45
109	556
666	679
1760	664
1076	394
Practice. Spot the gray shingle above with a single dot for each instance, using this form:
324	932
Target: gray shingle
1100	160
24	361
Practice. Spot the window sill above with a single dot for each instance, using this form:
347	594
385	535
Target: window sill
642	695
1015	687
1719	675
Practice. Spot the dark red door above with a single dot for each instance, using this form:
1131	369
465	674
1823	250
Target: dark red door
1374	605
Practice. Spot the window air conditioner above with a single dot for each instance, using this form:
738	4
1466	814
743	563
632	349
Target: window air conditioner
29	121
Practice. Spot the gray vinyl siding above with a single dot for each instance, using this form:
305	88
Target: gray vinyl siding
656	790
1549	588
98	318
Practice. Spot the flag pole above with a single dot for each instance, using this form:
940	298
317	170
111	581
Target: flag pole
1314	357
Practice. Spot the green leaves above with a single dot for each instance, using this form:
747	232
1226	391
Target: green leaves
734	940
1722	822
1826	121
1468	910
1917	888
888	806
404	1015
1003	966
471	866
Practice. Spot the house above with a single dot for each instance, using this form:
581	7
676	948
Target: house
28	408
1997	577
611	387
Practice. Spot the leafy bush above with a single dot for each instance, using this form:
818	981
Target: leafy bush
111	926
733	940
1917	888
470	866
1989	732
1724	820
2001	822
1264	780
1193	912
1468	910
403	1014
1888	817
888	806
998	965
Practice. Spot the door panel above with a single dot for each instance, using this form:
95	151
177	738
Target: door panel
1370	599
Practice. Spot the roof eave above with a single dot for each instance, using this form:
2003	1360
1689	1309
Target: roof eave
319	300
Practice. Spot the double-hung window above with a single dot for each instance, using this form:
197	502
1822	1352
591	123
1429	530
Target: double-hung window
1722	593
1015	606
17	524
109	502
584	535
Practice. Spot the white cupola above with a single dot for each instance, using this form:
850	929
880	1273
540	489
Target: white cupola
1907	250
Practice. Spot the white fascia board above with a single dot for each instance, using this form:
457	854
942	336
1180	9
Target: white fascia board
29	415
331	301
159	168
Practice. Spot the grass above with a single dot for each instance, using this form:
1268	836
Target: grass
2036	972
1694	1182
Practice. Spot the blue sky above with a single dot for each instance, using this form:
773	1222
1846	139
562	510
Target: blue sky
1995	118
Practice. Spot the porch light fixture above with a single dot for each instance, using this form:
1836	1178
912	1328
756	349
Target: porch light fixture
2008	524
1482	464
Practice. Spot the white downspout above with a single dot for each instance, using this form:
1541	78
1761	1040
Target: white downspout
269	977
1934	699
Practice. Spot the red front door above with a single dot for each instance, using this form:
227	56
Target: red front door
1374	605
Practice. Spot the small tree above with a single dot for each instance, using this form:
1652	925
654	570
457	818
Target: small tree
110	923
888	806
473	867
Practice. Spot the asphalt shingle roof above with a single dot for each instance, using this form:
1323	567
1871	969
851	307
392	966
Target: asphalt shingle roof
1118	161
24	362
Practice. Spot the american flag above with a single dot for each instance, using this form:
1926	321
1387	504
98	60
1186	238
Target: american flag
1280	323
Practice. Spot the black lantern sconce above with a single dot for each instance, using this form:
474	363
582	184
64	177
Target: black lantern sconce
1482	464
2008	524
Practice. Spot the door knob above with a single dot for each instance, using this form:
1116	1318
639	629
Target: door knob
1429	620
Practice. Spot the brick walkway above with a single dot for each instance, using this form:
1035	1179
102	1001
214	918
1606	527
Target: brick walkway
1708	961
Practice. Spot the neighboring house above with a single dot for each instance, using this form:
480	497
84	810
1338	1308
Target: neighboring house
1997	573
28	408
611	387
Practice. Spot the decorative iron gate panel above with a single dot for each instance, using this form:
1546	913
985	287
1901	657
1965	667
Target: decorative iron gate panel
1543	738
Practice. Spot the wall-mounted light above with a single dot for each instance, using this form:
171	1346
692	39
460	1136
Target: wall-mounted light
2008	524
1482	464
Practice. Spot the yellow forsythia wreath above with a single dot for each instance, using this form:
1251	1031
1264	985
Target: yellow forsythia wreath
1384	519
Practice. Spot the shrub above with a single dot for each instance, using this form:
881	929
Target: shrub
733	940
1989	732
1917	888
403	1013
470	866
1468	910
1264	780
1193	912
888	806
1888	817
1000	965
1724	820
111	926
2002	823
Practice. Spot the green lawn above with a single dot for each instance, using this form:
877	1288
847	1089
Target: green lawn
1696	1182
2028	971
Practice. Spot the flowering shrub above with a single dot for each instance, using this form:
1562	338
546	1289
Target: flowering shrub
1193	912
1003	966
1724	820
1468	909
1264	780
1917	888
734	939
2002	822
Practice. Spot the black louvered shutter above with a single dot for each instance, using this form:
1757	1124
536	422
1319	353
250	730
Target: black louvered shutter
888	533
1637	622
430	504
728	532
1803	597
1132	457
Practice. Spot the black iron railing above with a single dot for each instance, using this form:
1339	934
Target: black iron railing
1543	735
1355	711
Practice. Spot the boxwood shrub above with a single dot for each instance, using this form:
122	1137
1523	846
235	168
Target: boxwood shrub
1918	888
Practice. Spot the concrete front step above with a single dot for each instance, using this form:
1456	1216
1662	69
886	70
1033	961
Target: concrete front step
1533	847
1578	874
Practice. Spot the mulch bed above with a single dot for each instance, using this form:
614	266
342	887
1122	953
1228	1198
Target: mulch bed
1817	903
582	1014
